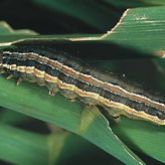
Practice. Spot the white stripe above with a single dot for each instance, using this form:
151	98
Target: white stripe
95	79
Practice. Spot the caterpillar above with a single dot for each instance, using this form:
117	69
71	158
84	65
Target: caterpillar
59	71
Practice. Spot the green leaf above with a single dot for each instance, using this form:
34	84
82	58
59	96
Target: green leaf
141	28
86	11
135	31
134	3
59	111
11	117
21	147
142	137
5	29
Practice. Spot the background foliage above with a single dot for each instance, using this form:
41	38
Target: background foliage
53	131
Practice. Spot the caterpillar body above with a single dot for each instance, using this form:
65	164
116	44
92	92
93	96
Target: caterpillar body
61	72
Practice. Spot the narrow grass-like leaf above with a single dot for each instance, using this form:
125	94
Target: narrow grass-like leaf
11	117
85	11
135	3
59	111
5	29
21	147
143	137
141	29
135	30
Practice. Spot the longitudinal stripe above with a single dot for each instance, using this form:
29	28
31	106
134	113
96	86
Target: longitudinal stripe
88	78
87	87
72	76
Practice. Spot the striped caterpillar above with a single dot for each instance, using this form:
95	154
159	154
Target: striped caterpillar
60	71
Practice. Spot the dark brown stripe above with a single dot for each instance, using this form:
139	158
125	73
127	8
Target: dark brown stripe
84	86
76	73
96	82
